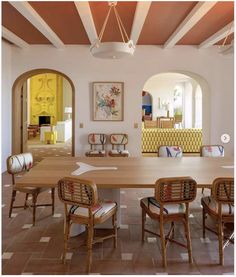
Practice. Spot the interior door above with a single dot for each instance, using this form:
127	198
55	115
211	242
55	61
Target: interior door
24	123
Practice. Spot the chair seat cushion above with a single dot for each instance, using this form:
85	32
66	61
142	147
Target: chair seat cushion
209	201
96	152
119	152
99	210
154	207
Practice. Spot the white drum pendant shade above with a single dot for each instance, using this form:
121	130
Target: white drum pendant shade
112	50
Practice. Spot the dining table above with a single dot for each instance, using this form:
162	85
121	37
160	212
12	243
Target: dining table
112	174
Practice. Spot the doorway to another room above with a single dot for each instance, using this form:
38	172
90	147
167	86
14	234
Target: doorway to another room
171	113
47	120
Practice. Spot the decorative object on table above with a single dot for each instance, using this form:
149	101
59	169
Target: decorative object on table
17	164
113	50
50	137
68	110
108	98
216	151
83	167
220	206
80	198
170	151
119	142
170	204
97	145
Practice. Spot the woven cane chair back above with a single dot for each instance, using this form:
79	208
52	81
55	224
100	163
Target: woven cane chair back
223	190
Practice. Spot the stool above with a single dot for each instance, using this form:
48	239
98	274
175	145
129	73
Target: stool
50	137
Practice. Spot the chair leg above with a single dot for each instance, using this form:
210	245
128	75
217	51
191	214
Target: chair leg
187	234
163	244
53	199
90	247
26	198
202	190
220	238
143	223
66	237
13	197
114	223
173	232
203	223
34	200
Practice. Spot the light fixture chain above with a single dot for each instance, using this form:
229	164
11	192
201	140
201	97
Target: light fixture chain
118	22
104	24
223	44
122	24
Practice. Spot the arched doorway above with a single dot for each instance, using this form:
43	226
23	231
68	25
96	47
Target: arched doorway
184	97
19	131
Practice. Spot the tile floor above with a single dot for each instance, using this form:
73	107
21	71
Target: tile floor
37	250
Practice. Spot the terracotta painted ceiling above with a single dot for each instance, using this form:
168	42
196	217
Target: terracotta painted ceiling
161	21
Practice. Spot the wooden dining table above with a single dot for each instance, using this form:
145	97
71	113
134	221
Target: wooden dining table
130	172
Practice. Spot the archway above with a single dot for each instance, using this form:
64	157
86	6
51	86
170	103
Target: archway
197	83
17	140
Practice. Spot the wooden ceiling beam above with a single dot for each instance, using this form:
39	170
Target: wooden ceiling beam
222	33
141	12
85	14
199	10
8	35
35	19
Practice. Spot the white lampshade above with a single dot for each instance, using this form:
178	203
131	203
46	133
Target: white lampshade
68	109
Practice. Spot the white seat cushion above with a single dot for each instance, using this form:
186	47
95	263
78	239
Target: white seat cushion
97	152
99	210
115	151
213	206
154	207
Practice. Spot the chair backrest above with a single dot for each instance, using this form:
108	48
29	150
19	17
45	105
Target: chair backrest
167	122
119	139
212	151
97	139
150	123
77	192
175	190
223	190
178	118
19	163
170	151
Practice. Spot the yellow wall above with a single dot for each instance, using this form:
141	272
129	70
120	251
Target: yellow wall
46	97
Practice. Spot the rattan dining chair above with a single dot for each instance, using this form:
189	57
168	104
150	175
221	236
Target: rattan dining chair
82	206
97	145
215	151
167	151
170	204
220	206
119	142
17	164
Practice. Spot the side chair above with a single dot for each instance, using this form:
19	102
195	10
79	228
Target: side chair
173	151
97	145
119	142
81	204
170	204
20	163
215	151
220	206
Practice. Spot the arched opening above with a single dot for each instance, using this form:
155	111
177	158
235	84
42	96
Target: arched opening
43	103
182	98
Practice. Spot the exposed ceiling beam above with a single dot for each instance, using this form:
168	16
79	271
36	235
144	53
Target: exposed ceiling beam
14	38
35	19
222	33
199	10
141	12
84	11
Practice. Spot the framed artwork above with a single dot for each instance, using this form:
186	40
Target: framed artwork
108	101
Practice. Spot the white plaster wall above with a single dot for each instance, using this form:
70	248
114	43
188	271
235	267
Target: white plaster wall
77	63
6	104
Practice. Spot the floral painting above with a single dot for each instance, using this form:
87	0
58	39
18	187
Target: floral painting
108	101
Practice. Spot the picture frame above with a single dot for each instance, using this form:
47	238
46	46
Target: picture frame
108	101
